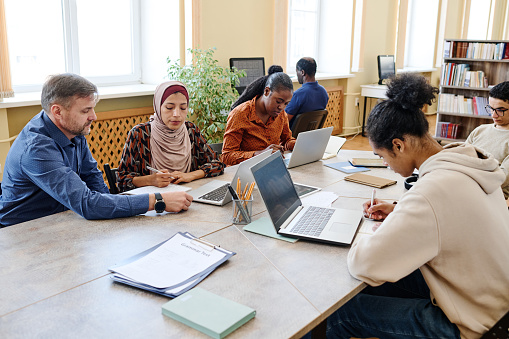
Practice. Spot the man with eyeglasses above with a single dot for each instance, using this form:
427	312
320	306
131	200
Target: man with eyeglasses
494	138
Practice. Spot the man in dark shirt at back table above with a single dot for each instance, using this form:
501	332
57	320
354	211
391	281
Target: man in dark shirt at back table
50	169
311	96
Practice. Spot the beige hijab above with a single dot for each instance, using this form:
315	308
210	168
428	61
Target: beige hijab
171	149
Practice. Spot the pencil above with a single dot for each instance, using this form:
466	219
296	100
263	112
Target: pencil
244	192
238	187
249	192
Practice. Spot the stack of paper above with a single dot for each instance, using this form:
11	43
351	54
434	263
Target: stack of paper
171	267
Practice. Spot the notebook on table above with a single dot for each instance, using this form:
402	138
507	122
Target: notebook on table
309	147
291	218
346	167
370	180
333	147
367	162
207	312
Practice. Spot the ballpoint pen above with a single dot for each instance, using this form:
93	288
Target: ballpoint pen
157	171
373	194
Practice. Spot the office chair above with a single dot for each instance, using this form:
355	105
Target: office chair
499	330
217	147
309	121
111	175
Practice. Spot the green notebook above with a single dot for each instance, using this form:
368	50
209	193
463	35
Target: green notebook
208	313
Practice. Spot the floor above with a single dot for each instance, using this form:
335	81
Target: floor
361	143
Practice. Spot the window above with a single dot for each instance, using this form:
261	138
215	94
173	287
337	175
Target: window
309	34
478	19
94	38
420	33
303	32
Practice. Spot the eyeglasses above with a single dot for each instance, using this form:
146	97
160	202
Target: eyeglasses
490	110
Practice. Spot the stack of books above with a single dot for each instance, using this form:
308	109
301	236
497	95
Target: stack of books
448	130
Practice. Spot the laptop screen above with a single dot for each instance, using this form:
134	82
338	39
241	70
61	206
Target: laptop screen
276	188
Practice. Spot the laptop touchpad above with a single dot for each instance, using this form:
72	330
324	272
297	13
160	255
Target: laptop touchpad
340	227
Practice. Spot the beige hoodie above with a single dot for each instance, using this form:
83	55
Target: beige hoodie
453	225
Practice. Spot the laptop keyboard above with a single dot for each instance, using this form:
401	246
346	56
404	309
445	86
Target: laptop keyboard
313	221
216	195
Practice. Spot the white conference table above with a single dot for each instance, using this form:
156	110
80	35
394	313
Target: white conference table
55	279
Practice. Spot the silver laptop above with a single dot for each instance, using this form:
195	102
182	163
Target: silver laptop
290	218
216	192
309	147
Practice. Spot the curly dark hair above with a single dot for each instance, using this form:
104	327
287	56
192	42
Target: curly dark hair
401	113
500	91
275	80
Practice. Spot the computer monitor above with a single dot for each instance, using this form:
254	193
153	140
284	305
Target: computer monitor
254	68
386	67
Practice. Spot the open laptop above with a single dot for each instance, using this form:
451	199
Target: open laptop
334	225
216	192
309	147
333	147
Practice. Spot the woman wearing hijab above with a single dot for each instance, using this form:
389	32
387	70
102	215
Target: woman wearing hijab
167	143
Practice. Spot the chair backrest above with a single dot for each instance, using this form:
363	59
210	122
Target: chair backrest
499	330
111	175
217	147
309	121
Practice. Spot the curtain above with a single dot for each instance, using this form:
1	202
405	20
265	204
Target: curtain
5	69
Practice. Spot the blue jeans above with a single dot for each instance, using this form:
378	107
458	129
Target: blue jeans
393	310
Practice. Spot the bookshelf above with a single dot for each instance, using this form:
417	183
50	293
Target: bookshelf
469	69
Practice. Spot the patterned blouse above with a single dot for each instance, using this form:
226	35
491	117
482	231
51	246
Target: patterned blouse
136	155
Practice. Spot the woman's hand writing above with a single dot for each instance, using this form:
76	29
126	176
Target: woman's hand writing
379	211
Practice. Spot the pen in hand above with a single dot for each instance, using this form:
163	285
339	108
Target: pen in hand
156	170
373	194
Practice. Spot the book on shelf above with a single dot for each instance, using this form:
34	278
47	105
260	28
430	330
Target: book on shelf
476	50
450	103
447	48
448	130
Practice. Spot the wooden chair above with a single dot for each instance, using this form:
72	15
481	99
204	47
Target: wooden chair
309	121
217	147
111	175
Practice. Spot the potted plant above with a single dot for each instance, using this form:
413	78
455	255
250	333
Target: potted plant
211	91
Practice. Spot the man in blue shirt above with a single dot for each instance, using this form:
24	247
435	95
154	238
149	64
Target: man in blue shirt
311	96
50	169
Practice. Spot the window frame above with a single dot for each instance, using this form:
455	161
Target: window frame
71	49
291	70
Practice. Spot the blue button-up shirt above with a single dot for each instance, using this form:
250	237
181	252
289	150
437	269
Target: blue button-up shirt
46	173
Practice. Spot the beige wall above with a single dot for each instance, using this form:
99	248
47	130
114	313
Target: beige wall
238	29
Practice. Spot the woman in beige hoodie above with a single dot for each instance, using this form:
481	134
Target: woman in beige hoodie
438	264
